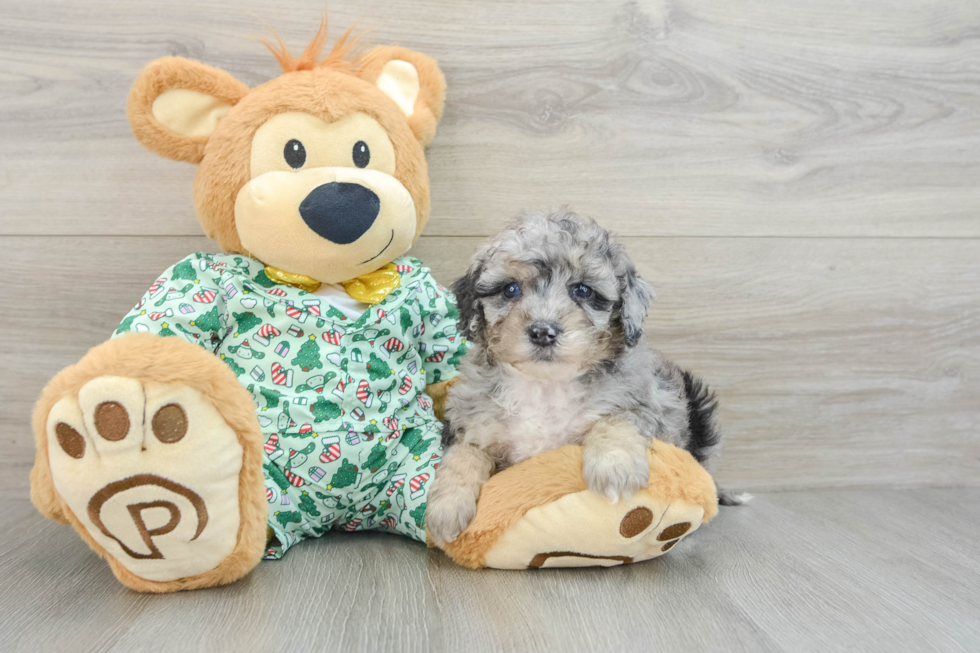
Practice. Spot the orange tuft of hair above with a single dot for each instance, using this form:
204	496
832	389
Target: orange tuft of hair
343	56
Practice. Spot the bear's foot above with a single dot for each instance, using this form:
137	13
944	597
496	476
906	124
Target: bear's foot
151	475
539	513
585	530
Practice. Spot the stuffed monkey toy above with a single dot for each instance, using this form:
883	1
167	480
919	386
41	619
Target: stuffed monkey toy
291	385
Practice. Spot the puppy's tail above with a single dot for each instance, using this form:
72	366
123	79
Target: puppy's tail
701	405
705	438
729	498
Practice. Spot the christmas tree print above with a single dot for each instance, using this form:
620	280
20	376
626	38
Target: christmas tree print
194	336
270	395
378	369
412	439
210	321
263	280
452	313
388	379
405	319
308	505
345	476
377	458
419	515
323	410
127	324
235	367
246	322
308	357
457	358
277	476
287	517
185	270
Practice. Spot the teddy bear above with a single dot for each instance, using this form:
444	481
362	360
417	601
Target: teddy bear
292	384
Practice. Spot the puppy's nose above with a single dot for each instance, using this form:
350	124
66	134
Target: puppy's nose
339	211
543	335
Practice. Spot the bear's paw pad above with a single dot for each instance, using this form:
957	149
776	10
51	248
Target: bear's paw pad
151	472
584	529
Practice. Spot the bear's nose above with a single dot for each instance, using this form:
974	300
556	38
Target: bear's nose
339	211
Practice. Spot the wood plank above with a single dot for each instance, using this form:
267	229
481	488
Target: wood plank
800	571
688	117
839	362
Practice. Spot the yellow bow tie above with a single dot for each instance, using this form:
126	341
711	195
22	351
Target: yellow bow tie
370	288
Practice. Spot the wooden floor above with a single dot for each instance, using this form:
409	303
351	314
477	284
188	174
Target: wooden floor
822	571
800	181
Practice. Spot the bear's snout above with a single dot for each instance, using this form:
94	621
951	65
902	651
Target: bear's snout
341	212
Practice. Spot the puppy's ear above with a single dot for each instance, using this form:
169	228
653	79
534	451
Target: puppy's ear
471	318
176	103
635	297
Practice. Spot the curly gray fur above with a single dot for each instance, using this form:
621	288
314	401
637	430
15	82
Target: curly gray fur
622	376
592	381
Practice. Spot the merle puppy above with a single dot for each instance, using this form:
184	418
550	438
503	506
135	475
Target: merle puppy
553	310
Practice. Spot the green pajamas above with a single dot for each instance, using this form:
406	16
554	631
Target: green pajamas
351	439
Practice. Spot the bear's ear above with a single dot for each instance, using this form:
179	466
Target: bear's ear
176	103
413	81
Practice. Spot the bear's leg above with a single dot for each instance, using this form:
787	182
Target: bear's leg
393	498
295	512
540	513
150	448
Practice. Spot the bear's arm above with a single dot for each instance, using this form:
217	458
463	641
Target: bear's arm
441	342
185	301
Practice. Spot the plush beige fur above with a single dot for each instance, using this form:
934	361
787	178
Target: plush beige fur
438	393
150	358
166	74
188	111
328	91
508	496
210	119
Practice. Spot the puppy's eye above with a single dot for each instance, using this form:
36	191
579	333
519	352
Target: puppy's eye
294	153
581	291
361	154
512	290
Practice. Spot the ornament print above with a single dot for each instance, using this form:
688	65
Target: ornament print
351	440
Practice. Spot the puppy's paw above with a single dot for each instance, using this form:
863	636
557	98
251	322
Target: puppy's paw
615	473
447	514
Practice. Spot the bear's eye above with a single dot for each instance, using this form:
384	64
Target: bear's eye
361	154
294	153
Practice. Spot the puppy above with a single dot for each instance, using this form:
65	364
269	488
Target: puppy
553	310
